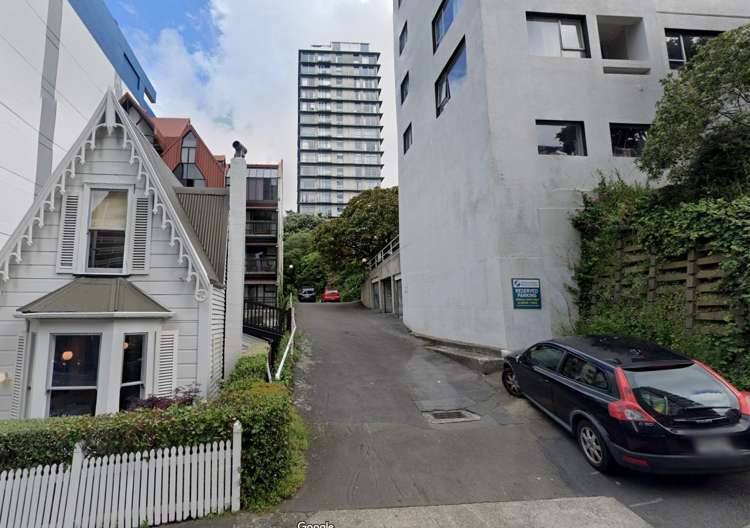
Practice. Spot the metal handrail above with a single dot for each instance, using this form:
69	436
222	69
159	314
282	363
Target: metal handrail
390	249
290	343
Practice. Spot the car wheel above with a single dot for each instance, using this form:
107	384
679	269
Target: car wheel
510	382
593	446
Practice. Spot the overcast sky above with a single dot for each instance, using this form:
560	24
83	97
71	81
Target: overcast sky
231	66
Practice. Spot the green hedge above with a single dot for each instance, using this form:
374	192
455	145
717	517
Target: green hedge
270	439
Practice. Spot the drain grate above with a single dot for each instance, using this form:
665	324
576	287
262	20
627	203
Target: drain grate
452	416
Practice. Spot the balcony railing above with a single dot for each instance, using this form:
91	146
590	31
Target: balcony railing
260	264
261	228
385	253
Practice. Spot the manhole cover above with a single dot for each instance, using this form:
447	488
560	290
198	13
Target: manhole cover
452	416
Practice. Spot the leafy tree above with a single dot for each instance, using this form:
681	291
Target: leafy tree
297	222
702	127
367	224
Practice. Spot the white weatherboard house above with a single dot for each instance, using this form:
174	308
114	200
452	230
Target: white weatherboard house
112	287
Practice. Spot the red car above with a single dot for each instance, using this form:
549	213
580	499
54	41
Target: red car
330	296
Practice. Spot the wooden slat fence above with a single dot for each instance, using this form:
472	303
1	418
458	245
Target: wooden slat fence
125	490
697	273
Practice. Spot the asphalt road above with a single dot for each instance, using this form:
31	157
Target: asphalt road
363	388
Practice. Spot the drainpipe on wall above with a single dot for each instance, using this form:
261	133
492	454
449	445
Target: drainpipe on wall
235	280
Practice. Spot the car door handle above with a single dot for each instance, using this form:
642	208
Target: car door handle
546	380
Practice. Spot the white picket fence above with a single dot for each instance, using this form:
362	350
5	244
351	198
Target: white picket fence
126	490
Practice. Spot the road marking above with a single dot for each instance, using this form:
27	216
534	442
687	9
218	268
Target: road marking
647	503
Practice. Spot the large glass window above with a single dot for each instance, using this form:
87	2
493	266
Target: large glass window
628	140
682	45
452	78
557	36
133	352
261	293
75	371
561	137
443	20
108	215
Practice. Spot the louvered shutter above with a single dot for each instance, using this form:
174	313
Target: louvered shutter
19	378
139	252
165	380
68	241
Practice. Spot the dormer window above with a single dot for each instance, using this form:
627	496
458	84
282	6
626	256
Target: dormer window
108	214
187	171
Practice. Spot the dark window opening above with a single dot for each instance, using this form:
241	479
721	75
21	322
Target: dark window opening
402	38
407	139
107	223
405	88
75	369
628	140
561	137
683	45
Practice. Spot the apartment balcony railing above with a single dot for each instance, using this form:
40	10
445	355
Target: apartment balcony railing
261	228
260	264
384	254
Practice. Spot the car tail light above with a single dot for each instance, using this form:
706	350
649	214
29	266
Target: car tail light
627	408
742	397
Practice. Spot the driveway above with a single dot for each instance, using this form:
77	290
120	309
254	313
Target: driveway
363	388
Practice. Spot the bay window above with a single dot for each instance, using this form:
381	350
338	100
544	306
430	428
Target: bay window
75	373
133	352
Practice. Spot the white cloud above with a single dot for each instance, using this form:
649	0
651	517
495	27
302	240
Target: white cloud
245	87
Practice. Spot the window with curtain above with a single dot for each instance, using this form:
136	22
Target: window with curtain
108	215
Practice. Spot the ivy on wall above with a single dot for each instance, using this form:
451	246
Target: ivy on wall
665	228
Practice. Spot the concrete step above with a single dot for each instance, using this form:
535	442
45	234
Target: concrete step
481	362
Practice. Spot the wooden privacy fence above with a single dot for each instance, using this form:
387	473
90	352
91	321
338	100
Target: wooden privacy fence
125	490
697	273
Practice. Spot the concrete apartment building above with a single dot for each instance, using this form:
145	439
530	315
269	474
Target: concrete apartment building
506	111
58	57
264	251
339	149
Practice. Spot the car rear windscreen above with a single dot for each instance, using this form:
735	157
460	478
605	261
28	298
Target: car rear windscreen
686	395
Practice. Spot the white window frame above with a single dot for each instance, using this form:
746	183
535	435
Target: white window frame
51	365
83	240
144	363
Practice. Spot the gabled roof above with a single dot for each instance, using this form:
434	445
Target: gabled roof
96	295
160	183
171	187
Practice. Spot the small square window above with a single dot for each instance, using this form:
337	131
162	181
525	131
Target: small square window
561	137
557	35
628	140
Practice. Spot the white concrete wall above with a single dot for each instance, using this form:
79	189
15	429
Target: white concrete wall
83	75
478	205
165	283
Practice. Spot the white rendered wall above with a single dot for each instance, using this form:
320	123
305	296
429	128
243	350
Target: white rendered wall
83	75
478	205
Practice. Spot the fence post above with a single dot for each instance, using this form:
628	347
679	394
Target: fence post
71	500
618	267
651	295
236	453
690	288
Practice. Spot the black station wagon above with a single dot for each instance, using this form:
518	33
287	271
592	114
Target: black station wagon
635	404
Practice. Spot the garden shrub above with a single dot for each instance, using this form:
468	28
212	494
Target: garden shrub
270	438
